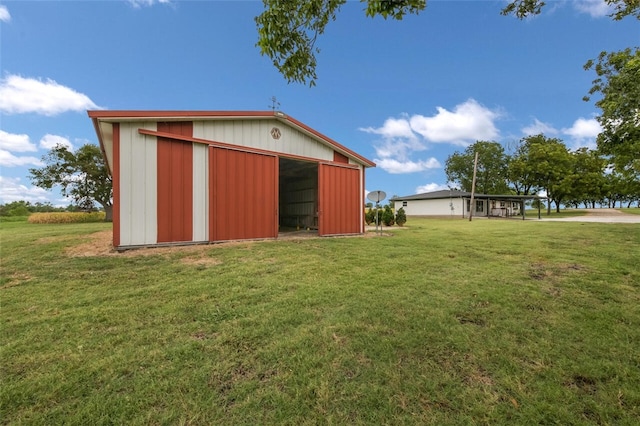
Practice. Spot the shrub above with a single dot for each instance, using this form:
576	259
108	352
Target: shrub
14	209
387	216
370	216
67	217
401	217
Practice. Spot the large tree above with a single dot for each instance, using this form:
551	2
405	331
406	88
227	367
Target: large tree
619	84
526	8
491	170
520	171
81	175
544	163
552	162
288	29
587	181
622	187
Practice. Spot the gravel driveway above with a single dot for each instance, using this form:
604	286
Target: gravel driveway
600	215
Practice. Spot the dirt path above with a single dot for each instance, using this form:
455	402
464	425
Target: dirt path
600	215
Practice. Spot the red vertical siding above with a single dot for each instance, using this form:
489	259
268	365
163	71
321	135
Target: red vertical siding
339	200
175	184
243	195
115	179
339	158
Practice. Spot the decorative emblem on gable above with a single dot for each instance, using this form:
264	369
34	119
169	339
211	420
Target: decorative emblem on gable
275	133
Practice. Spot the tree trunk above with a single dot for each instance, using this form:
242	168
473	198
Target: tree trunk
108	210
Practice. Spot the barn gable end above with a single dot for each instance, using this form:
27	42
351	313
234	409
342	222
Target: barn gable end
194	177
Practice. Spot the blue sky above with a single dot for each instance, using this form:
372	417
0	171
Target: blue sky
405	94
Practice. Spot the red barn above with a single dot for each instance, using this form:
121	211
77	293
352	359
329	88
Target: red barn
182	177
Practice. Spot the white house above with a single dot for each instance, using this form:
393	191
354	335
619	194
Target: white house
456	203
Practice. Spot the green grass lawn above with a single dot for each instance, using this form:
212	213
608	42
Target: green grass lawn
632	210
532	214
446	322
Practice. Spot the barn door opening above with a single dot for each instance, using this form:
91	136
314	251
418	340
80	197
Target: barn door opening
340	203
243	195
298	195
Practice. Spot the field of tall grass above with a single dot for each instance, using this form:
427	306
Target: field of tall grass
443	322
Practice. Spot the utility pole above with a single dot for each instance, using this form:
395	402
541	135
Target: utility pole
473	187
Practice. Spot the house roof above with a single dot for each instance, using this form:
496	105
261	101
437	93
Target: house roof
115	116
454	193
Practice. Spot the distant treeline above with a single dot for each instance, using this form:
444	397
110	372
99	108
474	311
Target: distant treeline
25	208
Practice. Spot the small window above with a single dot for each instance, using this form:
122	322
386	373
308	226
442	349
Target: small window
404	204
479	206
502	204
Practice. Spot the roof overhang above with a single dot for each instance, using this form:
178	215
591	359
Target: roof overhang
439	195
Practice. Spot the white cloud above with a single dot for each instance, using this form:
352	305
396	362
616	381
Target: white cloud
393	128
141	3
398	148
538	127
28	95
16	142
467	123
583	133
430	187
595	8
49	141
403	136
400	167
5	16
7	159
584	128
12	190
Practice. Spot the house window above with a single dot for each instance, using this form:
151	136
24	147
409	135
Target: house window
404	204
502	204
479	206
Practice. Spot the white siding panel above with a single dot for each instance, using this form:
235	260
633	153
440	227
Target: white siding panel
257	134
125	185
107	131
441	207
200	192
138	189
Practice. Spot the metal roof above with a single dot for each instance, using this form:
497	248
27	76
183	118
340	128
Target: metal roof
454	193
